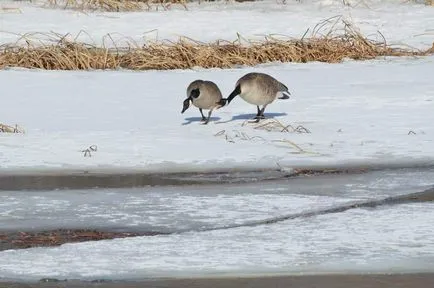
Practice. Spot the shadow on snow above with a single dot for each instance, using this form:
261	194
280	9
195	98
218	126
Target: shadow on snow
190	120
251	116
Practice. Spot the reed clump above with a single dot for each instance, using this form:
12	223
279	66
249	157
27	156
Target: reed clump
138	5
63	54
113	5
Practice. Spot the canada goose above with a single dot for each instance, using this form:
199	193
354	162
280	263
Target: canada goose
203	95
257	89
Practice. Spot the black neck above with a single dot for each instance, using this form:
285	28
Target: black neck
234	93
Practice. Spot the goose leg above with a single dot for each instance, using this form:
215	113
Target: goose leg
209	116
260	114
201	113
262	111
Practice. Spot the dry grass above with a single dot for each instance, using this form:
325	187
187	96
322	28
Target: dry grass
235	136
12	10
291	144
277	126
137	5
269	125
10	129
64	54
114	5
88	151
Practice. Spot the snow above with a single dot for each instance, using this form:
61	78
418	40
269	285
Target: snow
359	240
361	112
223	20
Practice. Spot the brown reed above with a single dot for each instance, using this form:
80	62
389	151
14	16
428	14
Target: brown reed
63	54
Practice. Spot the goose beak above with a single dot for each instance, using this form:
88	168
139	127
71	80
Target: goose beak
285	95
186	104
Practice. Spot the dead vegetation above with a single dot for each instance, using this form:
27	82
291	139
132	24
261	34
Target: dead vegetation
269	125
114	5
63	53
138	5
88	151
122	5
236	136
10	129
275	125
12	10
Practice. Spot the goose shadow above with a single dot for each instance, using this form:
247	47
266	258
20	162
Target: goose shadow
251	116
190	120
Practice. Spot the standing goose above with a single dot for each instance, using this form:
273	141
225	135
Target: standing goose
257	89
203	95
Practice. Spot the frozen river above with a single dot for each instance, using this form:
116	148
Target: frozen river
240	228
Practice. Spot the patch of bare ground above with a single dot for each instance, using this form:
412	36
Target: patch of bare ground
61	53
22	239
